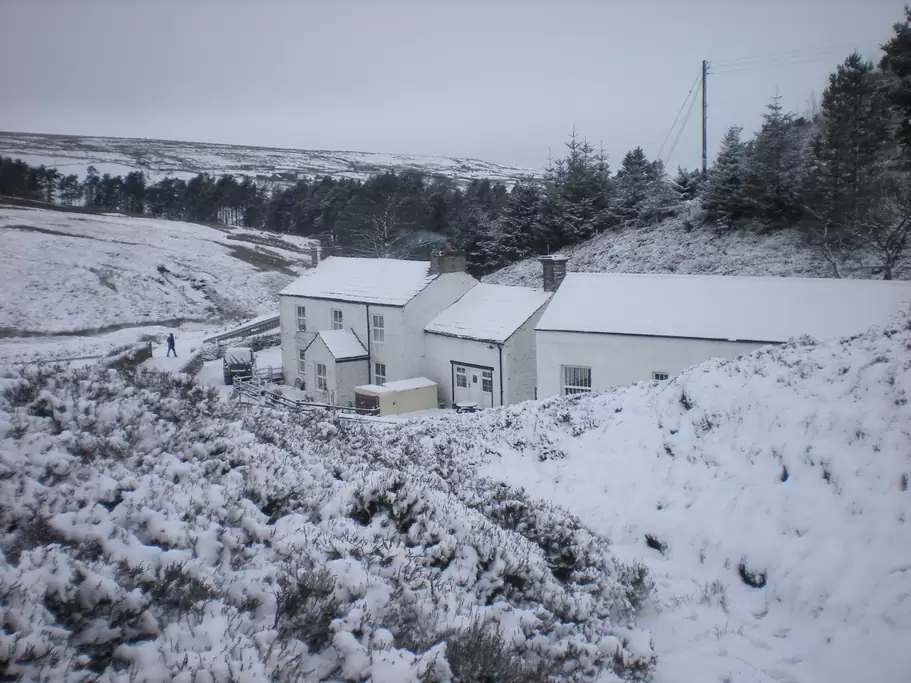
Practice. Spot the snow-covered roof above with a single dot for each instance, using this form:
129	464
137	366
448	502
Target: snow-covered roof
342	344
398	385
769	309
390	282
489	312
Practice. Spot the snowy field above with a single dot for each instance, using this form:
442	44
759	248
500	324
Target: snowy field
82	273
160	158
329	550
792	463
669	247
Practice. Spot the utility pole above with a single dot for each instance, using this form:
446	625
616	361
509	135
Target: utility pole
705	72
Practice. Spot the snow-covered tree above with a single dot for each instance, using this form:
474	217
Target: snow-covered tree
856	136
726	198
896	63
574	207
774	172
686	185
516	224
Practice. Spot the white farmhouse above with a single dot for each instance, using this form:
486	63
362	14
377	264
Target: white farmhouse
382	304
482	348
602	330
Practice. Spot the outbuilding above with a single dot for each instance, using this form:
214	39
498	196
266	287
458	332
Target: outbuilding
603	330
395	398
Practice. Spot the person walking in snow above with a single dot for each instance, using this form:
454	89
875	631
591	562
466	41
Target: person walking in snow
171	345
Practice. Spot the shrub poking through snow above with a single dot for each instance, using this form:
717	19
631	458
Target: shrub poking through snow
655	544
150	531
752	578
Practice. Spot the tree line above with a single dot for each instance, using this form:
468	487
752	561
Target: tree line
839	174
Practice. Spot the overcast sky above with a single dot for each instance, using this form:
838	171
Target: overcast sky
500	80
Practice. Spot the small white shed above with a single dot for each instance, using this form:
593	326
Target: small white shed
394	398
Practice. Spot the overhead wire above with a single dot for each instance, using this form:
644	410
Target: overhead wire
679	112
795	53
686	118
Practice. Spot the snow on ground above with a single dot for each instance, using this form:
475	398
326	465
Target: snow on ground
66	272
151	532
792	462
161	158
669	247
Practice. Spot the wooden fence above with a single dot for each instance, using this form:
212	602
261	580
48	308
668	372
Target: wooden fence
255	390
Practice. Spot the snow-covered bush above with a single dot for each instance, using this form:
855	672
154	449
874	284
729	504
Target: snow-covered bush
151	532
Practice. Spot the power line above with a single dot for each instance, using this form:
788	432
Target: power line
795	53
680	132
772	65
677	118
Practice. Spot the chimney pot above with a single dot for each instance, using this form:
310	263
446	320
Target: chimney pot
554	269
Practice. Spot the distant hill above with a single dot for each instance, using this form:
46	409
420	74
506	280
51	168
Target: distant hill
672	247
160	158
72	273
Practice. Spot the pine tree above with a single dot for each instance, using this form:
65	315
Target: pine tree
686	185
574	206
634	186
855	139
516	224
774	173
896	63
725	192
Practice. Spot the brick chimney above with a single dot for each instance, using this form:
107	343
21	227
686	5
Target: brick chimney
554	267
448	260
314	254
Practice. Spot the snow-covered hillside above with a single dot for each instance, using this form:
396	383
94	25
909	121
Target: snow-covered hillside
150	532
160	158
788	468
69	272
149	527
669	247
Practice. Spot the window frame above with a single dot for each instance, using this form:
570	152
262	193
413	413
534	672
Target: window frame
301	327
461	377
579	384
301	362
340	325
322	378
487	381
377	374
661	376
381	328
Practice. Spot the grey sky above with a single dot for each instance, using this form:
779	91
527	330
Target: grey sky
500	80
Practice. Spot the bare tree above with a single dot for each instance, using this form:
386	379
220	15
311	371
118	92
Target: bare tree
886	227
385	224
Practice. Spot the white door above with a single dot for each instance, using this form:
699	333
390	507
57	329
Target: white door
474	385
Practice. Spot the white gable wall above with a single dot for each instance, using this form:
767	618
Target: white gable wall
437	296
519	362
442	351
620	360
341	377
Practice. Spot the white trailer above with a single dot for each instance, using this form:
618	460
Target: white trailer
394	398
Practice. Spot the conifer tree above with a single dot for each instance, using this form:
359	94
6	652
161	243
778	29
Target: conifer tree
856	131
726	200
774	172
